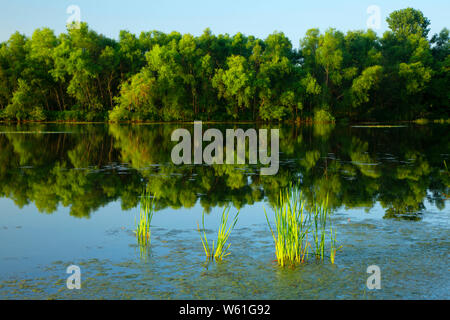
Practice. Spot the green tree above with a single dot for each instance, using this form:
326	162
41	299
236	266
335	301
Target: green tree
408	22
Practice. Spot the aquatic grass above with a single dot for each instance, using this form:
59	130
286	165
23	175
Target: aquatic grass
219	248
291	228
320	215
333	245
294	223
321	218
204	238
142	231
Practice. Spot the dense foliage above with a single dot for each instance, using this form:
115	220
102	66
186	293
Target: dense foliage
85	167
81	75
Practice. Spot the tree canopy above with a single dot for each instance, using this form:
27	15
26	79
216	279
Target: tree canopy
83	75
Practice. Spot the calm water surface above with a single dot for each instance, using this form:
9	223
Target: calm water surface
70	195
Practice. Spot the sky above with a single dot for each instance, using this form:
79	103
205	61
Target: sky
251	17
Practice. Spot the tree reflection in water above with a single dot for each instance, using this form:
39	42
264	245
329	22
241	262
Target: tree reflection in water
88	166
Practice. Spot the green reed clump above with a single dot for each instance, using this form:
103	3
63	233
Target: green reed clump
219	248
146	211
294	222
320	215
292	227
333	245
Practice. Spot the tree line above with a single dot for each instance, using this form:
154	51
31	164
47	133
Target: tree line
83	75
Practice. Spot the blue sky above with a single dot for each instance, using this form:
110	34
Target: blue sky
251	17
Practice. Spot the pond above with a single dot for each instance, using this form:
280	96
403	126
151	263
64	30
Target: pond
70	195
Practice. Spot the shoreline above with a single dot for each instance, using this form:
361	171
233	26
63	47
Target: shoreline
368	123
